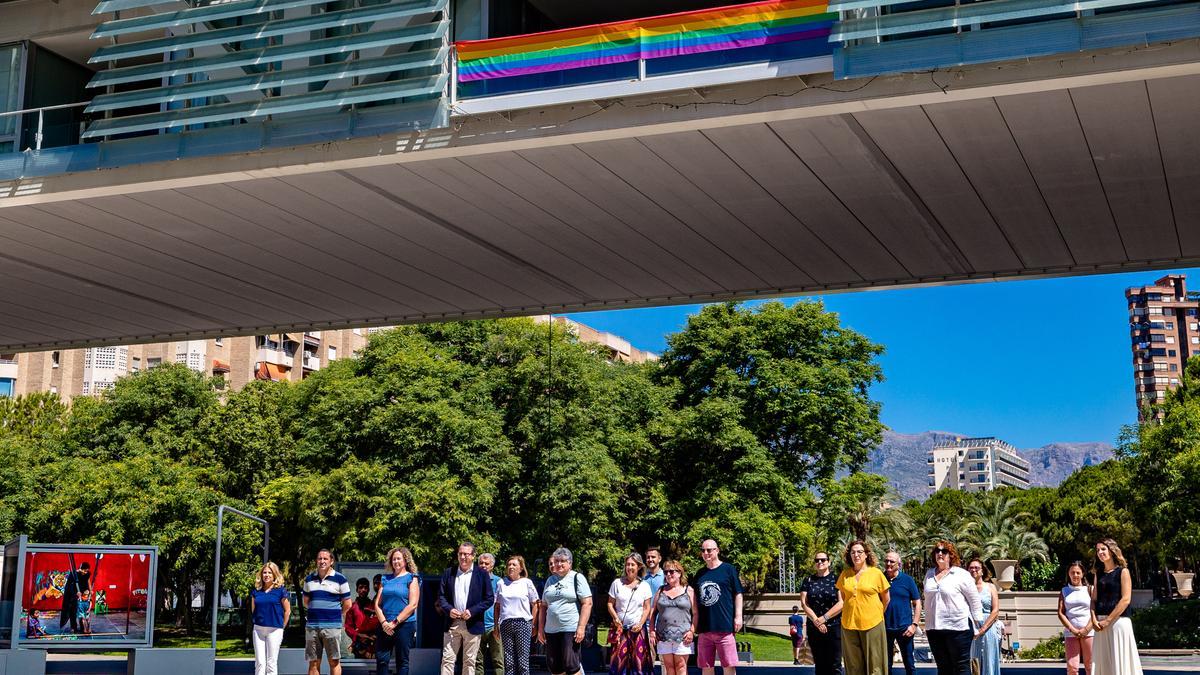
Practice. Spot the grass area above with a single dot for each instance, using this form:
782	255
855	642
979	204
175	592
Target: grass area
178	639
766	646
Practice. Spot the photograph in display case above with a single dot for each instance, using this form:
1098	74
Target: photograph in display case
86	594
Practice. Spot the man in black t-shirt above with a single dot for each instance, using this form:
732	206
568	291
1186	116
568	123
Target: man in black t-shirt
719	592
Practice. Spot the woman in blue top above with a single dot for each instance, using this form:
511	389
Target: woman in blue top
396	608
271	608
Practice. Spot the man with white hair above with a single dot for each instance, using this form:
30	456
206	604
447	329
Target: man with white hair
491	653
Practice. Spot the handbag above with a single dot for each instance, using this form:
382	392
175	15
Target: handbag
589	629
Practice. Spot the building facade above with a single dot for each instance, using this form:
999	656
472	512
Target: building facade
1164	327
976	464
234	360
617	348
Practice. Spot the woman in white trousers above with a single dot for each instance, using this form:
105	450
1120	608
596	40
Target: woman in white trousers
271	608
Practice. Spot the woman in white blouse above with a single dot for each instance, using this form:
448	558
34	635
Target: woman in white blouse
629	606
516	614
952	610
1075	613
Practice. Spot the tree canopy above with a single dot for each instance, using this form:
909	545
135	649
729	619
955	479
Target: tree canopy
510	433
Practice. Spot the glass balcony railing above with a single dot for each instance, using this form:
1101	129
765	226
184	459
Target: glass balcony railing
880	37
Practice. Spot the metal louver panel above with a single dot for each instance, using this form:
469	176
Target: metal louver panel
217	62
281	104
259	31
183	17
279	78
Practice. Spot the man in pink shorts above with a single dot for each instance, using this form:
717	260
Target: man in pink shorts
719	591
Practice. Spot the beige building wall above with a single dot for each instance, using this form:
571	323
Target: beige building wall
236	360
239	360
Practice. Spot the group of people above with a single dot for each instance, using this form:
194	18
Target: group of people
861	617
858	618
486	616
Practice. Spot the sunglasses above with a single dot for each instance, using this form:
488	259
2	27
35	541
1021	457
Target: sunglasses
941	551
820	560
708	550
671	571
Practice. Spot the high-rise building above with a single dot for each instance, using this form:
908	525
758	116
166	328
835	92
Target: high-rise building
1164	331
976	464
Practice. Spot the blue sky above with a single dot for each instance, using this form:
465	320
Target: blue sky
1031	362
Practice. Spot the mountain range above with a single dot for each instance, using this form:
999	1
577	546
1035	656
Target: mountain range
901	457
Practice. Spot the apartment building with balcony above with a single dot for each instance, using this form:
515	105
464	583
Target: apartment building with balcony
1164	329
234	360
976	464
616	347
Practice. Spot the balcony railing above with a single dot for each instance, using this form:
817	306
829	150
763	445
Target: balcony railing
887	36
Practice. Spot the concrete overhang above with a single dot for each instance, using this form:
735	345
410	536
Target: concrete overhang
1074	165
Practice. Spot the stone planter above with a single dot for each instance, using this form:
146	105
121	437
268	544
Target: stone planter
1006	573
1183	583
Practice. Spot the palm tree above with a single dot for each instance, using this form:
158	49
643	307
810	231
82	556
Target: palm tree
992	529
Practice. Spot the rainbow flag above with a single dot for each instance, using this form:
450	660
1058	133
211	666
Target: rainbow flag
707	30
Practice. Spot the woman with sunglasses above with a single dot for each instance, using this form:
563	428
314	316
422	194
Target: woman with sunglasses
673	618
952	608
986	647
821	602
865	596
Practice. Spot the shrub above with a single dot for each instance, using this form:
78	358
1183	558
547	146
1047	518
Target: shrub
1041	576
1054	648
1173	625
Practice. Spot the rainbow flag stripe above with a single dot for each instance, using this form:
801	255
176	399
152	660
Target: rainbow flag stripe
708	30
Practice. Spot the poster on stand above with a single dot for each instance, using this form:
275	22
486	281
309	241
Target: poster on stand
73	597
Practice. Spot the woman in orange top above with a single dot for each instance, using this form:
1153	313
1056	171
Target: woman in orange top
864	592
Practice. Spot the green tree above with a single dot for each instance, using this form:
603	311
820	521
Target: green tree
793	377
1165	454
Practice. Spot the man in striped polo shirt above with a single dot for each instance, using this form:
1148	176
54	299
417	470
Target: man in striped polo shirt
327	599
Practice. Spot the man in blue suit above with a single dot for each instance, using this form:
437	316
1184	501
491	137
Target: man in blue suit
465	594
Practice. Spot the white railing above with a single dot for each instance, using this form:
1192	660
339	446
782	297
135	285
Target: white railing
41	125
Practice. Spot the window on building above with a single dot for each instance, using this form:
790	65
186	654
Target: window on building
7	384
1159	324
1155	310
1170	339
54	357
219	342
136	365
1174	382
332	353
1170	325
153	361
1196	340
1158	338
1174	368
1171	352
